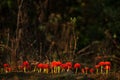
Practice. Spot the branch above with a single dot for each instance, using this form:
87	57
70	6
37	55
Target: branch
87	53
87	47
6	47
19	15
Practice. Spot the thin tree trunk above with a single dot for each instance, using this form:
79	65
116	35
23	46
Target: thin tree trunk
16	40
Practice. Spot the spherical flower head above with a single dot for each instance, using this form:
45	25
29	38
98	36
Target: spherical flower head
69	64
25	63
40	65
108	63
86	68
102	63
53	64
6	65
91	70
21	67
83	70
63	66
107	67
97	66
9	69
58	63
45	66
77	65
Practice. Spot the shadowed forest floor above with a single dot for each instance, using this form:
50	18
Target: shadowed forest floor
61	76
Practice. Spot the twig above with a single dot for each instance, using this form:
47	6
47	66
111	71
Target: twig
6	47
87	47
18	16
87	53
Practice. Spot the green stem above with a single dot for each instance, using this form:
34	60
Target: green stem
68	69
58	69
107	71
34	69
6	71
44	70
76	70
52	70
97	71
101	69
24	69
39	70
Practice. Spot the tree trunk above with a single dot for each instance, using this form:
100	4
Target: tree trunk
13	60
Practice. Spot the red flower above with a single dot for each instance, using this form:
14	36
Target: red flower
101	63
9	69
97	66
53	64
25	63
91	70
107	67
63	66
40	65
6	65
83	70
69	64
45	66
108	63
58	63
76	65
21	67
86	68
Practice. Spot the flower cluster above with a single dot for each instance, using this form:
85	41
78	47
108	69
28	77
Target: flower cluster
104	67
7	68
58	67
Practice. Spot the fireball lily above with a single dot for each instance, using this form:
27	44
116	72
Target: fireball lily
76	66
91	70
5	67
40	66
54	67
25	65
101	65
21	68
9	69
97	66
69	66
45	68
58	66
83	70
107	63
86	69
64	67
107	67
